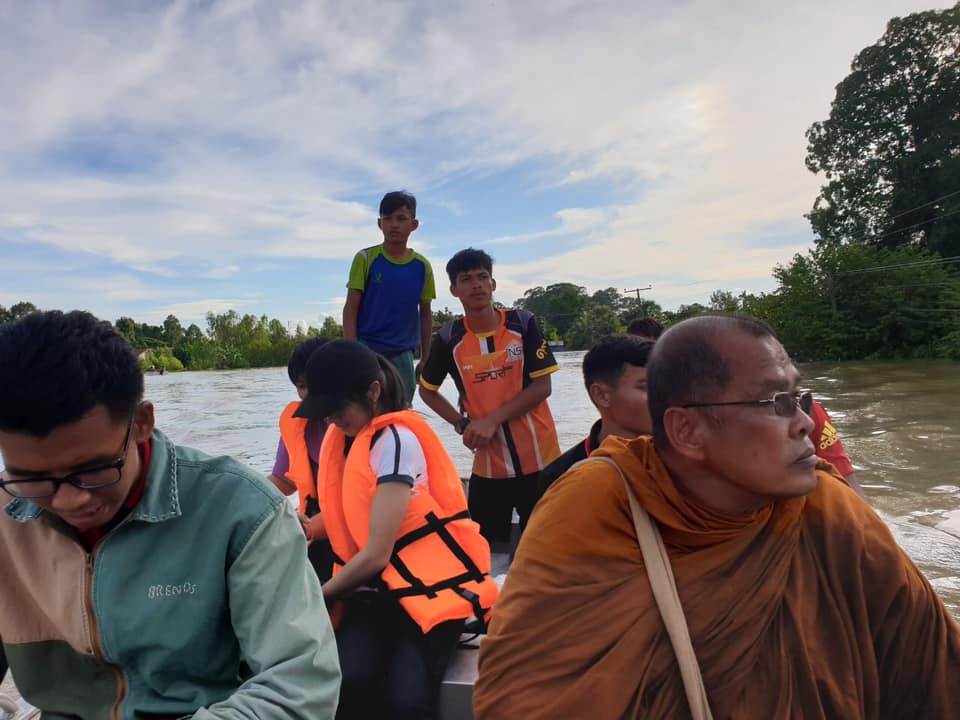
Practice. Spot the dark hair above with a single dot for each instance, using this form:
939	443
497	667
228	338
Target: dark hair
341	372
397	199
605	361
686	367
467	260
392	396
56	367
297	366
648	327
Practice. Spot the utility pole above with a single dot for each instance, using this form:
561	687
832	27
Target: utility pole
637	290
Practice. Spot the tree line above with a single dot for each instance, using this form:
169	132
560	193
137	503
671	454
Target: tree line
835	302
230	340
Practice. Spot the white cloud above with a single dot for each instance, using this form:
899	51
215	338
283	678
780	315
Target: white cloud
193	311
572	222
336	302
163	133
219	273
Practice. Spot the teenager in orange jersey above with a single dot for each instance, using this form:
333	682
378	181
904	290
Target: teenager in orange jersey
410	564
501	365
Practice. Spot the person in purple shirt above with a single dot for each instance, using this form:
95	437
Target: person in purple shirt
281	464
298	474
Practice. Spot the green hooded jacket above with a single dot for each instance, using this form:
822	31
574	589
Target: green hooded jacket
200	603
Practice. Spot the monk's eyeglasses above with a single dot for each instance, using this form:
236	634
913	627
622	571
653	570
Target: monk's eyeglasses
784	404
101	476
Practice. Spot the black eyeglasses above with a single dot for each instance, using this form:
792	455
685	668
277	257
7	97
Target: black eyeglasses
90	479
784	404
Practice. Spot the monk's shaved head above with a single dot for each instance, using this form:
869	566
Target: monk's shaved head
686	365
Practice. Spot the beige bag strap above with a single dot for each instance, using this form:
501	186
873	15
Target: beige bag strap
664	587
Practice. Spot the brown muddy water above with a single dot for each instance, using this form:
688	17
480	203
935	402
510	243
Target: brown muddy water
900	423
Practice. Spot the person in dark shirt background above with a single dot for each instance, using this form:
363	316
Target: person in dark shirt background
615	374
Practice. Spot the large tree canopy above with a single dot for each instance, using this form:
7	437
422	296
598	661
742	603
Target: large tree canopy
890	150
559	305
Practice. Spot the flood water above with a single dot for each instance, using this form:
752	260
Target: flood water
900	424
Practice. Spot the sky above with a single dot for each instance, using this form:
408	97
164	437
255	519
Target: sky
177	158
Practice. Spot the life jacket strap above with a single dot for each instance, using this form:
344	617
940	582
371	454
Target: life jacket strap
474	599
434	524
418	588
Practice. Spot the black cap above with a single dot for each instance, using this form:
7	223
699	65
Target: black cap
336	373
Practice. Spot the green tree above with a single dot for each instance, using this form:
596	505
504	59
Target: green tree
161	358
890	150
683	312
442	317
151	332
850	302
608	297
331	329
559	304
548	331
129	330
724	301
639	307
277	333
594	322
196	351
799	310
16	311
172	330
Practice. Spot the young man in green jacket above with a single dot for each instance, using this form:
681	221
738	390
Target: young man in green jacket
142	579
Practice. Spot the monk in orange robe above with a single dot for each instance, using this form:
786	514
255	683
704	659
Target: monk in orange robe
798	600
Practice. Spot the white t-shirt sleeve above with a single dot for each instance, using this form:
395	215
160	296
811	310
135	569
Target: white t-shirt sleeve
396	456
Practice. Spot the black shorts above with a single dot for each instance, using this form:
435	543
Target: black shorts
492	502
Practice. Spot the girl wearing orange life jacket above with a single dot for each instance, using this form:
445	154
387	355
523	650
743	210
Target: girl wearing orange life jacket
295	466
411	565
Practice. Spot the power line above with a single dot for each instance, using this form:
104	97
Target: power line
925	320
920	207
695	282
916	285
881	236
918	263
932	310
911	227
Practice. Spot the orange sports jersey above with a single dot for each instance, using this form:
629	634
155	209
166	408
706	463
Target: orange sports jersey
491	369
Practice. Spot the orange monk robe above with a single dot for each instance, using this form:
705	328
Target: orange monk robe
805	609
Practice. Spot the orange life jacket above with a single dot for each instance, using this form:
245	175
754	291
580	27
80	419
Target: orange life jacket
440	567
299	473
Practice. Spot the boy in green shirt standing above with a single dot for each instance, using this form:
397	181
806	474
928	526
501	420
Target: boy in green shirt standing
389	292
